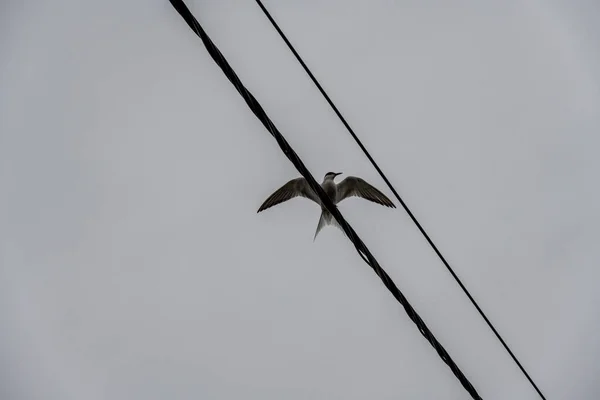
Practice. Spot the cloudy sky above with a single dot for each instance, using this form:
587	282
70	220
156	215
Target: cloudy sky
133	263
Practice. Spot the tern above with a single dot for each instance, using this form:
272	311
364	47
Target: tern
351	186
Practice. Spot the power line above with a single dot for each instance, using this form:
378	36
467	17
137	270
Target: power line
414	219
361	248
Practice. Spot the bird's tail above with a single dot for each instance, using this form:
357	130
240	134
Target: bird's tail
326	219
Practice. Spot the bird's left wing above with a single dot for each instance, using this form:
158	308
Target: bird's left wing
354	186
295	187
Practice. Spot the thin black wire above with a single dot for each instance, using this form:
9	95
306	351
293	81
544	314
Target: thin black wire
293	157
414	219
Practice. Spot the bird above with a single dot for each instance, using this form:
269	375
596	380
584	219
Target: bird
348	187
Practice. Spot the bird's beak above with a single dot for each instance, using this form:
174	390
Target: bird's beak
338	173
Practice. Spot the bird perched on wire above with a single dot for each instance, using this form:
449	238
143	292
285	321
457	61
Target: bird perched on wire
351	186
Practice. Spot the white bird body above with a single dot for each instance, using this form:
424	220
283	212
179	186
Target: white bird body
351	186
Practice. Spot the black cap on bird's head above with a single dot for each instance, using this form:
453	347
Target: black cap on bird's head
332	174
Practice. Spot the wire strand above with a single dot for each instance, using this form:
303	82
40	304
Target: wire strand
293	157
391	187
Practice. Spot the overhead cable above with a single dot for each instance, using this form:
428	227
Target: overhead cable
293	157
404	205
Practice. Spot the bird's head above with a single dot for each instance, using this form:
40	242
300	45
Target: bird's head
331	175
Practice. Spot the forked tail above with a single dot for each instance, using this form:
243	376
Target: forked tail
326	219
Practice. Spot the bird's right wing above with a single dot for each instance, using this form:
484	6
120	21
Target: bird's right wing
354	186
294	188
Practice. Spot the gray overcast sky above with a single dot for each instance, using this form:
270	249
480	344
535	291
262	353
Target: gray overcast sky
133	263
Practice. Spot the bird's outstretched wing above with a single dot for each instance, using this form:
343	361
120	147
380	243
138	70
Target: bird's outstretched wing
353	186
295	187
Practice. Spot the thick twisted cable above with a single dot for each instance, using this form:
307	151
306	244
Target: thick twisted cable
410	214
293	157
